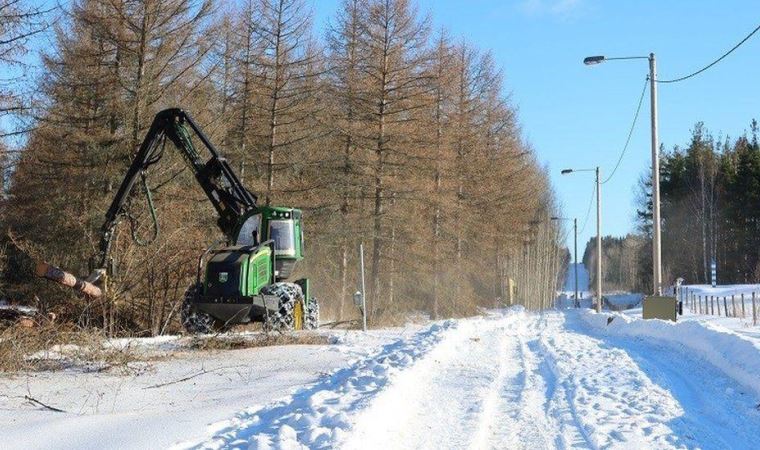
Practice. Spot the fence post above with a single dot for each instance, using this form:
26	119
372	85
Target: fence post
690	300
733	304
725	305
754	310
712	305
744	312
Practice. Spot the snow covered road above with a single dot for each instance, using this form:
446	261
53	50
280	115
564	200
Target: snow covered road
509	380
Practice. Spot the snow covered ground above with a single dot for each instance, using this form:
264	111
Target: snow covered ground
509	379
169	400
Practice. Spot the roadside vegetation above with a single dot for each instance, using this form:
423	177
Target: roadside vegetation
381	127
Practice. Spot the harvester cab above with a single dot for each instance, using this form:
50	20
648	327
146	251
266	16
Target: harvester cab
283	227
242	279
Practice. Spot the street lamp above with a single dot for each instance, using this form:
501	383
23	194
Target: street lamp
598	232
576	302
656	237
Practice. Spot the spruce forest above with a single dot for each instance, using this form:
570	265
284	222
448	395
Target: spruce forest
710	192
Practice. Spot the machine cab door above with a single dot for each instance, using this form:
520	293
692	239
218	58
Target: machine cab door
283	233
250	232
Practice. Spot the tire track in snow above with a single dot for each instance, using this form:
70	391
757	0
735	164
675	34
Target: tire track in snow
512	380
612	402
571	432
506	390
317	416
712	403
519	419
441	401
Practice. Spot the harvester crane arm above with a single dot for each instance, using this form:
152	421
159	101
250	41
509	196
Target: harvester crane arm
220	183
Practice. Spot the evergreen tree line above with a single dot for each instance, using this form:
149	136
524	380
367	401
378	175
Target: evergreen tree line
710	207
710	203
384	132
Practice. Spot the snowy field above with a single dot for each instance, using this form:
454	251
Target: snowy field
509	379
170	399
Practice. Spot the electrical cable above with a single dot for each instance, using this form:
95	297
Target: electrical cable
588	211
676	80
630	132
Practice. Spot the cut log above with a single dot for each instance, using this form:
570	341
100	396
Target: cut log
53	273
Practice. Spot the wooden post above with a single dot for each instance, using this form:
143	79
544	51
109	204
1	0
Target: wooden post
693	300
754	310
689	300
725	305
744	312
733	304
712	305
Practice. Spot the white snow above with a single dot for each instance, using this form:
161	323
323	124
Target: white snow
107	410
621	301
317	416
508	379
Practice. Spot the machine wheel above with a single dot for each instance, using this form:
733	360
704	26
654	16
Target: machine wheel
193	320
283	319
311	316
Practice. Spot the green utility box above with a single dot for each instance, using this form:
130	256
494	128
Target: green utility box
665	308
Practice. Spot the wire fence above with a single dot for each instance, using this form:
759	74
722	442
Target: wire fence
742	306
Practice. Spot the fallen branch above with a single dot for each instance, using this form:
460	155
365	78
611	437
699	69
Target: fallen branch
336	324
190	377
37	402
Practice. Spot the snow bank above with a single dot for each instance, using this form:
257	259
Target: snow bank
623	301
317	415
738	357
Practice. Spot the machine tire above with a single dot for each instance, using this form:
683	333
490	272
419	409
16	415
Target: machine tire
311	315
282	319
193	320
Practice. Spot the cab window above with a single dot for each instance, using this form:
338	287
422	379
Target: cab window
282	233
250	232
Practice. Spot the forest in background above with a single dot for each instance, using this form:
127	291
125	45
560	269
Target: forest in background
711	208
710	203
382	129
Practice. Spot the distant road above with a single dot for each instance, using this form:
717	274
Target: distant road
583	278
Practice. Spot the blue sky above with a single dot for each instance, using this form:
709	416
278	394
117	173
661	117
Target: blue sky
579	116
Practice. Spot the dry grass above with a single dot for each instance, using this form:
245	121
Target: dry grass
235	342
52	347
56	347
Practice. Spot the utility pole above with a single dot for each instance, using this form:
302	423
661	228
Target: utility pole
656	243
598	235
598	242
656	235
575	258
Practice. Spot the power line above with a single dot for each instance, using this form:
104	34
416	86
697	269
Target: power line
676	80
630	132
588	211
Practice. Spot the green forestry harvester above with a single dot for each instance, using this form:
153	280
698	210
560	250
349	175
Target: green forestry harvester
244	279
